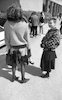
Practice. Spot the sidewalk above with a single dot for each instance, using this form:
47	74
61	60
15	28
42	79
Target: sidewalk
36	88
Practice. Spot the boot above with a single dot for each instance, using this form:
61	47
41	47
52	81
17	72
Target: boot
45	75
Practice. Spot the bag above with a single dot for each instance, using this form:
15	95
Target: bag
24	59
29	53
8	58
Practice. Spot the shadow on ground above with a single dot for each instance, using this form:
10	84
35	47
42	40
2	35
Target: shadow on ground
4	70
33	70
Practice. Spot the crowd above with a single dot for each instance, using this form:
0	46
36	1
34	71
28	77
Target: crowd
17	38
34	22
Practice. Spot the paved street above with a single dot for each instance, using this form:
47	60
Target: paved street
36	88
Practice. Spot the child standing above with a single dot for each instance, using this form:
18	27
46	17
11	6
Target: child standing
49	43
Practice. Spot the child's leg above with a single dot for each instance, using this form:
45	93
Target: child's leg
13	71
13	59
22	71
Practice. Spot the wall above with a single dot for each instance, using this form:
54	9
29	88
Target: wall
57	1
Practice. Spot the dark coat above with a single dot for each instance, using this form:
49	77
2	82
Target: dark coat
51	39
48	60
34	20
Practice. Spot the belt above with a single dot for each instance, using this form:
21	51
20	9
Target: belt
19	46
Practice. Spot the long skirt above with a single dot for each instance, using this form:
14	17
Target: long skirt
48	60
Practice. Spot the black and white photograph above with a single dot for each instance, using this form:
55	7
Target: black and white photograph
30	49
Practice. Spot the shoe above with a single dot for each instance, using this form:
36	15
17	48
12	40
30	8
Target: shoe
14	78
45	75
42	75
31	62
24	80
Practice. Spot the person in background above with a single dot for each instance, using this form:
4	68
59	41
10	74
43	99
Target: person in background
30	26
41	22
61	24
49	43
61	28
17	39
58	21
34	20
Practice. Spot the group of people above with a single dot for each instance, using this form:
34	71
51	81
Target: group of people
36	21
17	39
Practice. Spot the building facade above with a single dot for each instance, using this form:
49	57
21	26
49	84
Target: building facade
53	7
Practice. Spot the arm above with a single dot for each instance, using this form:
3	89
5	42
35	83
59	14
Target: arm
51	39
54	42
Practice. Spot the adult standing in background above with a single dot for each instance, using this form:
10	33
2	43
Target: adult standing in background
34	19
41	22
17	39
